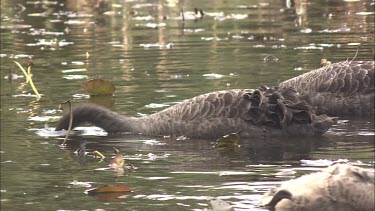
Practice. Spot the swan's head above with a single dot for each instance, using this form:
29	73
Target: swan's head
351	187
318	126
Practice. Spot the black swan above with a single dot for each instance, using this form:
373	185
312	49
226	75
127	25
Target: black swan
339	187
298	106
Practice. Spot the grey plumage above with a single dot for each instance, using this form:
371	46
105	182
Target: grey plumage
339	89
339	187
274	111
209	115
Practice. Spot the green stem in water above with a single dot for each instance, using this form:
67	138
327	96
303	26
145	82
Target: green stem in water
28	79
70	121
96	152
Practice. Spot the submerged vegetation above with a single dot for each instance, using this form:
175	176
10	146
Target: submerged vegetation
28	77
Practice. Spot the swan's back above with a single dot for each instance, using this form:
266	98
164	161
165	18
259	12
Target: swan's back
208	115
343	88
254	113
339	187
220	104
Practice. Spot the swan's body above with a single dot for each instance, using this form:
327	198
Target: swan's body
271	112
211	115
340	187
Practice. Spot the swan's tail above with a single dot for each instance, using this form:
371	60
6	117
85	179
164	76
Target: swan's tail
97	115
282	108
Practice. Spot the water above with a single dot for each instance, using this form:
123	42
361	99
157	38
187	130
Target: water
154	63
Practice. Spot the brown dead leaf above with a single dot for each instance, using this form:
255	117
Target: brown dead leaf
110	193
117	161
98	87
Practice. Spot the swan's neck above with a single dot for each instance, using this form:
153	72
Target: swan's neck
101	117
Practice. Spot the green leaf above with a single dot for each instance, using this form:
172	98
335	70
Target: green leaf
229	141
98	87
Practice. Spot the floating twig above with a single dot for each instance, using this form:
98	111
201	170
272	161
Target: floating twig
182	14
70	120
81	151
23	8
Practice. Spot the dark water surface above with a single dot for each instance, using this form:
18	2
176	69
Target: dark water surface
156	60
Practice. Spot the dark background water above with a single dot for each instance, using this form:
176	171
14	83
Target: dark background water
156	60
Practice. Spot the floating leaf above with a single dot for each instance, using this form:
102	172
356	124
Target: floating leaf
228	141
325	62
110	193
109	189
117	161
98	87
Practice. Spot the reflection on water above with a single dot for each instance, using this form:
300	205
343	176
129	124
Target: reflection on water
156	58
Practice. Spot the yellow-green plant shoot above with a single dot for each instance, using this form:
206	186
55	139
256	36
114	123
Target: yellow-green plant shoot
28	79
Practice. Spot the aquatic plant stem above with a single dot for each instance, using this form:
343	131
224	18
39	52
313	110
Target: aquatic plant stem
182	14
28	79
70	121
96	152
29	70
